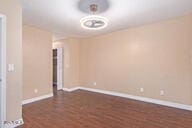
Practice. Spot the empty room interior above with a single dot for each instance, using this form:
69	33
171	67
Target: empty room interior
95	63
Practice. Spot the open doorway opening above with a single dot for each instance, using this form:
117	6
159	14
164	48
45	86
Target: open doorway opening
57	69
2	69
54	70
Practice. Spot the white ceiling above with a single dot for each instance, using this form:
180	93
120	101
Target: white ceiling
62	17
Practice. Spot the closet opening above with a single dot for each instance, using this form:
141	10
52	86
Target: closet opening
57	69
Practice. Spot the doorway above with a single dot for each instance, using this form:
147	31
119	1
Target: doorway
57	69
2	69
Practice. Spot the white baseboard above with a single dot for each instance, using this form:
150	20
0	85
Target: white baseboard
12	124
71	89
37	99
139	98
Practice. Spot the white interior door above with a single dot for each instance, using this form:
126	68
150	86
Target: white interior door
59	68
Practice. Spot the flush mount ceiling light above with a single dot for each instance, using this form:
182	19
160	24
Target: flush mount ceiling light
94	22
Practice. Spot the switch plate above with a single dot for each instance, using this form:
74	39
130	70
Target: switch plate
162	92
141	89
11	67
36	90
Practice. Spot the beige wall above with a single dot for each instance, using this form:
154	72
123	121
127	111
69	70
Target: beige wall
37	62
13	12
71	61
155	57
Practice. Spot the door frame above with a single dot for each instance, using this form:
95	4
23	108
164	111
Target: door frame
59	68
3	67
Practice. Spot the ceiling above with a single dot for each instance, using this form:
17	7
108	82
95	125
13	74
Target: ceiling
62	17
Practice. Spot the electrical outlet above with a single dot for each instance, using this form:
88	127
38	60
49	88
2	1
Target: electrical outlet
162	92
94	83
36	90
141	89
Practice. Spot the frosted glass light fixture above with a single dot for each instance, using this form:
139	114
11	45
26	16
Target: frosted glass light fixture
94	22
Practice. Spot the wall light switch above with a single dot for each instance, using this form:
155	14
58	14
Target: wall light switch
11	67
141	89
162	92
36	90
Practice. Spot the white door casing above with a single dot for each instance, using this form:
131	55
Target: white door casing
2	69
59	68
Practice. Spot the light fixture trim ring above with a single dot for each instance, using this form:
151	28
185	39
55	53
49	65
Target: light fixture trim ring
92	18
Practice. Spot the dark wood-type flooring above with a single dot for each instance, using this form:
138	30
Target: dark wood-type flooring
82	109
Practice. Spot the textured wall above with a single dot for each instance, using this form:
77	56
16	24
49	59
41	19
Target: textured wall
71	61
155	57
13	13
37	62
